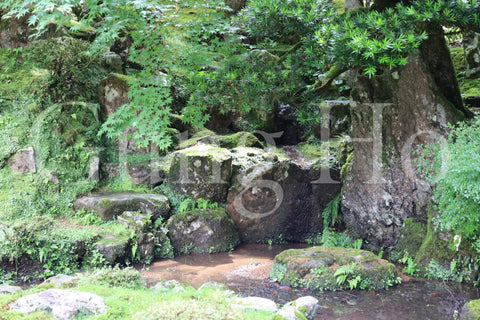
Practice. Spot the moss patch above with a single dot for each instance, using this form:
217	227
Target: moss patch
433	248
411	236
471	310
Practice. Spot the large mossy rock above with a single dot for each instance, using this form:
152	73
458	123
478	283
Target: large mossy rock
142	225
413	106
322	268
471	310
202	171
273	197
108	206
202	231
113	248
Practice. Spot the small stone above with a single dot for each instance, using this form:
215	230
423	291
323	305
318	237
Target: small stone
169	285
201	171
94	169
113	61
7	289
202	231
256	303
23	161
304	306
53	177
214	285
62	304
62	280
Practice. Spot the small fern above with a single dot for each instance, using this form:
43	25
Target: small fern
344	272
330	213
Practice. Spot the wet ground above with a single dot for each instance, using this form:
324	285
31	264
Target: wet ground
246	271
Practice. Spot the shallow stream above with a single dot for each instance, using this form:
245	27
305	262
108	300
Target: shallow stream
246	271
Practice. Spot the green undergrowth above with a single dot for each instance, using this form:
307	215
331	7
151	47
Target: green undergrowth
127	297
58	245
20	79
468	87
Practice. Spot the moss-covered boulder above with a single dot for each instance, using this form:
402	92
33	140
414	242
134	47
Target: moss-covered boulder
142	225
113	248
108	206
202	231
329	268
201	171
471	310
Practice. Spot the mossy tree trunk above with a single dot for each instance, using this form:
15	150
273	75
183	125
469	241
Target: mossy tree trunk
397	111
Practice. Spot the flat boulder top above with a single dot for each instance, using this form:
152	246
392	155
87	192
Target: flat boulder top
124	196
110	205
205	150
328	256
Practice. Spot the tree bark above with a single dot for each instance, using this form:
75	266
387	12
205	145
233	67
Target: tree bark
413	105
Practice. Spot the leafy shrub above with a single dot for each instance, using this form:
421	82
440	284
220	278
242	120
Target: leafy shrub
74	75
128	278
58	248
453	272
453	169
14	125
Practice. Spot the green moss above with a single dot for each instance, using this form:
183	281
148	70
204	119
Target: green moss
340	5
411	236
240	139
19	78
195	138
458	59
117	79
471	310
106	203
470	87
127	298
346	167
328	153
433	248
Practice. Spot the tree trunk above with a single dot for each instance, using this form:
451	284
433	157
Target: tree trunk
382	188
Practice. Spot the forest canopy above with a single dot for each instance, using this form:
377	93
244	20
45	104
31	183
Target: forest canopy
272	52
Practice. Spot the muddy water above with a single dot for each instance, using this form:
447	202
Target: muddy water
246	266
246	271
